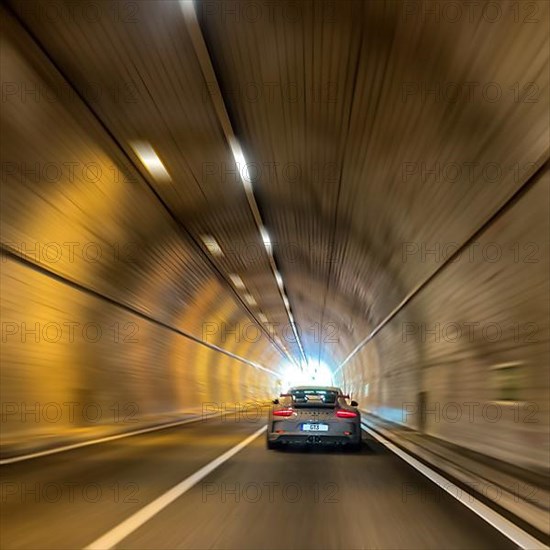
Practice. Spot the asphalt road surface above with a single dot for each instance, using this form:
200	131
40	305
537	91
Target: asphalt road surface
313	499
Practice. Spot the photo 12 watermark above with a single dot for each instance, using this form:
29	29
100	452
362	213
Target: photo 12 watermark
252	332
473	12
28	92
230	12
69	412
12	492
251	253
69	332
83	12
473	412
440	252
449	92
270	172
52	172
235	411
53	252
419	493
274	92
271	492
465	172
453	332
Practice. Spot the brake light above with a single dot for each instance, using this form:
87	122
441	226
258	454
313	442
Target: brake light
345	414
283	412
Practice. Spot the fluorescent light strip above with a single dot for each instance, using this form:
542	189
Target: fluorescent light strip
212	245
250	300
150	160
242	166
266	239
188	7
237	281
221	112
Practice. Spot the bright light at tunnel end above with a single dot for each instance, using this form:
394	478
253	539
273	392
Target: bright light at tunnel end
311	374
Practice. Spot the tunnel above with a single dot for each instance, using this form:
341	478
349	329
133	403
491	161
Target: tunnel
206	204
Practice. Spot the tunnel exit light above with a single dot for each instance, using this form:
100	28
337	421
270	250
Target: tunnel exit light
150	160
314	373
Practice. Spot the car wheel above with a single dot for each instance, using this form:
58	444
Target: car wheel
271	445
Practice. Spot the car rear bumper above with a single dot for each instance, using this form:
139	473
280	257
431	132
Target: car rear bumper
314	439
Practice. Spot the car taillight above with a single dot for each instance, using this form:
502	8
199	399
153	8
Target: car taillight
283	412
345	414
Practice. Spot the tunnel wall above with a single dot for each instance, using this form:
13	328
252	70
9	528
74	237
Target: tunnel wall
78	367
467	359
111	316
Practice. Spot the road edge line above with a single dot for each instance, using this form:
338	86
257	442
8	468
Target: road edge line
114	437
136	520
492	517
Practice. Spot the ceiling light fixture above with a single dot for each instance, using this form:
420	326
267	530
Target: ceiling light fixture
212	245
242	166
266	239
150	160
187	6
250	300
237	281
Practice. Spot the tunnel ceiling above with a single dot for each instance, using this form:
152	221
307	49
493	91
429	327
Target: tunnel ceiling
338	108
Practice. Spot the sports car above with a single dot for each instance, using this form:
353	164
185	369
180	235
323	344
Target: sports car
314	415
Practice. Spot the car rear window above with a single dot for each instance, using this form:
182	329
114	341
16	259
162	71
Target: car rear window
314	398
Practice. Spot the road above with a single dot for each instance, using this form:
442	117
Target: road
256	499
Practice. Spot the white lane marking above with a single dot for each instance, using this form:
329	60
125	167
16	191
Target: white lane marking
129	525
55	450
505	526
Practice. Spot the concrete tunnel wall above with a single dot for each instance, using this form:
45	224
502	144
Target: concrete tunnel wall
471	349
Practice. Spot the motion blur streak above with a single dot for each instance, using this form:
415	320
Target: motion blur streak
205	202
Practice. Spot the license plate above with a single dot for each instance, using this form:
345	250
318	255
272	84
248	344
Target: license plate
315	427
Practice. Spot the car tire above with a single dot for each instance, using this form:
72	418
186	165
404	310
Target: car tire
271	445
355	446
